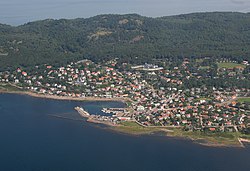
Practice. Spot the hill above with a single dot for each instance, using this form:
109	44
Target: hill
129	37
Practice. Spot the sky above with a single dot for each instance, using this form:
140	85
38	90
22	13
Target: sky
17	12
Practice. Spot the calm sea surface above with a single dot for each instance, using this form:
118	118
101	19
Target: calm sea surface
32	140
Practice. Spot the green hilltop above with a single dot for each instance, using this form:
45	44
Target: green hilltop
129	37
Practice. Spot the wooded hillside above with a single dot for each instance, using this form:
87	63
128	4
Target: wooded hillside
128	37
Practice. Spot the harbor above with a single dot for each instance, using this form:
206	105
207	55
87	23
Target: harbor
122	114
107	120
41	139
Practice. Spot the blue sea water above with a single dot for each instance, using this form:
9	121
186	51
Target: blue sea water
32	140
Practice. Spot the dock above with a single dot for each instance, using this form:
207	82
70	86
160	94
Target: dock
113	110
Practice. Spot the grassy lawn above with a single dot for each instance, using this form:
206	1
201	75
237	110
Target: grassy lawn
245	136
244	99
199	60
229	65
134	128
202	98
204	67
225	138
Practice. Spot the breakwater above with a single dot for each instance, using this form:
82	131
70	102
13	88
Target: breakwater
107	120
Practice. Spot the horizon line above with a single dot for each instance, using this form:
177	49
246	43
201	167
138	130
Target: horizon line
120	14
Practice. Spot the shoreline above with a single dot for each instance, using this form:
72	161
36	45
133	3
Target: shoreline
116	127
90	120
204	141
55	97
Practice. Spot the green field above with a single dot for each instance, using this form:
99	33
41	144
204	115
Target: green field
204	67
199	60
230	65
202	98
224	138
244	99
134	128
221	139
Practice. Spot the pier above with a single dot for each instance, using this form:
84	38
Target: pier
82	112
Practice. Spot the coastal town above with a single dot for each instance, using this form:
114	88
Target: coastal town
166	94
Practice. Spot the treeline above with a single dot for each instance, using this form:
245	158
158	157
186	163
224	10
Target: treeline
131	38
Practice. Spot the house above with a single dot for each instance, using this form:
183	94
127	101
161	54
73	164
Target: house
212	129
140	108
24	73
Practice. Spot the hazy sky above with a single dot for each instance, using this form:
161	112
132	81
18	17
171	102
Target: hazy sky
17	12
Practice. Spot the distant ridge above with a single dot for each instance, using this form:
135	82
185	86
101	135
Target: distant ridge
128	36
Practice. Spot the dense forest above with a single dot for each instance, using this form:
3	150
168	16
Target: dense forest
131	38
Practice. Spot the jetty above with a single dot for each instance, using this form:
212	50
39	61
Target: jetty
82	112
64	117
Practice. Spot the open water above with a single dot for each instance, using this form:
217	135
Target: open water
33	140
